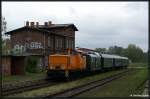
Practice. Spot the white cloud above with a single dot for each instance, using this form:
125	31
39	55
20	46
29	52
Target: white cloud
100	24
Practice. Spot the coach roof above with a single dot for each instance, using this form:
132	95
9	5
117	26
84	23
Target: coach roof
113	56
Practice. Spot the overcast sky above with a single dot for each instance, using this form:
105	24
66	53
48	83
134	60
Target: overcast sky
100	24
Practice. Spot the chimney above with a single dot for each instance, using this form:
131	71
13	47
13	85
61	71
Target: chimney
46	24
49	23
27	23
32	24
37	24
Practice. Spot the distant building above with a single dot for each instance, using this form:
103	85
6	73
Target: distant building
42	40
85	49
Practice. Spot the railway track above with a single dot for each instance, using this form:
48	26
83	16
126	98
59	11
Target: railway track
86	87
45	83
28	86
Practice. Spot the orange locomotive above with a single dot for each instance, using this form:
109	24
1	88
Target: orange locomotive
83	61
65	64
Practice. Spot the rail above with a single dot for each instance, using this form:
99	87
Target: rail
86	87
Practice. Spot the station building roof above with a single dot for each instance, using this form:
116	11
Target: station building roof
43	28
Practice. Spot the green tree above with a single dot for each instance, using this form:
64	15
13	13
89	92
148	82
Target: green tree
115	50
6	46
146	57
3	24
31	65
101	50
134	53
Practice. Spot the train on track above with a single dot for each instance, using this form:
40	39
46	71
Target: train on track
79	61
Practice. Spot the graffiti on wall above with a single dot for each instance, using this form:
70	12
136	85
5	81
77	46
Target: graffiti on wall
18	48
33	45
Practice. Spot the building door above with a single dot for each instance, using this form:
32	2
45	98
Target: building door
18	65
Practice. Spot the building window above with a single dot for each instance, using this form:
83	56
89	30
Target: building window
51	42
72	44
60	43
57	41
48	41
67	44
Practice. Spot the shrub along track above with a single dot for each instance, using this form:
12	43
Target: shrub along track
28	85
86	87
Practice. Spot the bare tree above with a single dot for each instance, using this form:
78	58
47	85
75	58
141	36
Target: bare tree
3	30
3	25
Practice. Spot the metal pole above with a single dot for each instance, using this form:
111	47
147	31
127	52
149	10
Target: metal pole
149	58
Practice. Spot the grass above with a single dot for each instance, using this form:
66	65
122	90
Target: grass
122	87
13	79
140	89
63	86
138	65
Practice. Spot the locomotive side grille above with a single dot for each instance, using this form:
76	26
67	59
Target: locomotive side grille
57	66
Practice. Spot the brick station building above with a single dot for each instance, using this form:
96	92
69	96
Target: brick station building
41	40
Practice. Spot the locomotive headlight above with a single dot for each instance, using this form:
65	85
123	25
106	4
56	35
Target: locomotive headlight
51	67
62	67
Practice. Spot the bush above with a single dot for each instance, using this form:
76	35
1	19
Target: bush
31	65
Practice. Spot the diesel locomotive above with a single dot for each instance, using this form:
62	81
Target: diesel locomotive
66	64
